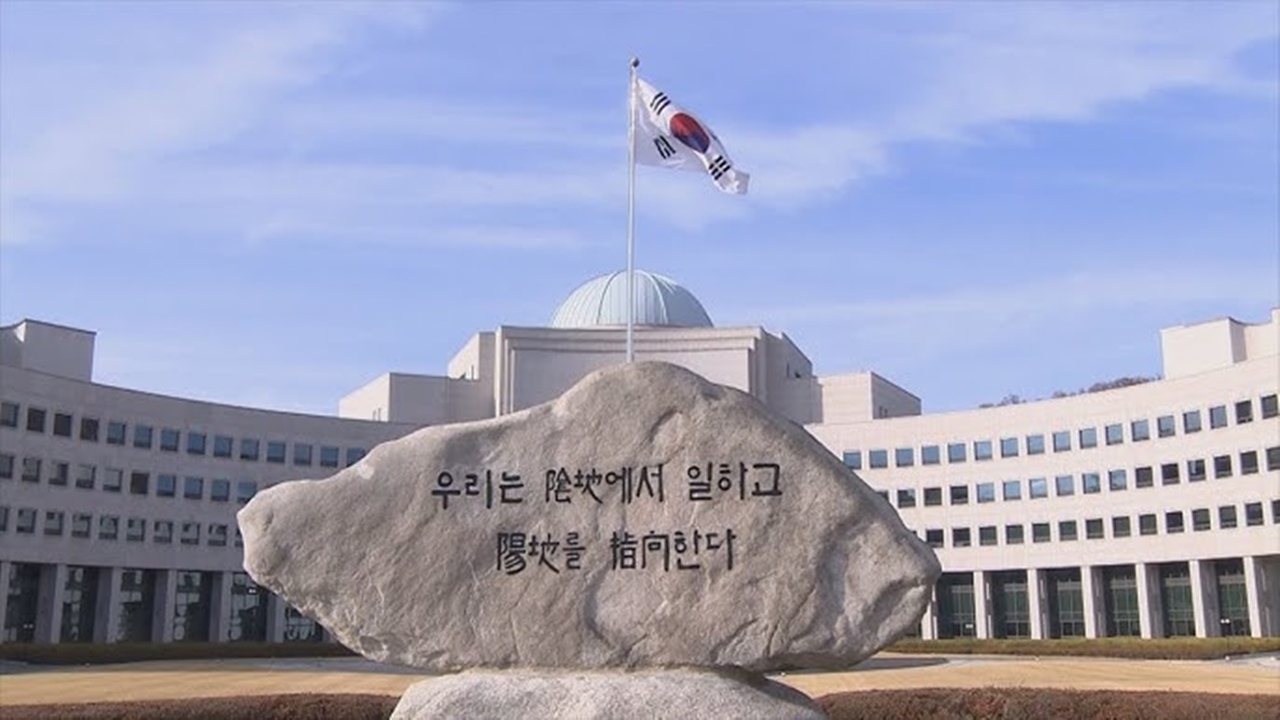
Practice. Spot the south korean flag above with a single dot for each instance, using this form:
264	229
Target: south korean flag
671	137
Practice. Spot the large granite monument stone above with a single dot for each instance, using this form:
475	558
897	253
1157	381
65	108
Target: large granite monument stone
648	543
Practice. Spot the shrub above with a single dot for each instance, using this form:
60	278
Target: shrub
101	653
1133	648
1034	704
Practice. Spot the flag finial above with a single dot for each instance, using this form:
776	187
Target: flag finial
635	62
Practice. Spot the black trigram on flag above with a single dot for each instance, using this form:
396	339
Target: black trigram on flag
664	147
718	166
659	103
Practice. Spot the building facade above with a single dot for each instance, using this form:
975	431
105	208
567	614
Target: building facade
1151	510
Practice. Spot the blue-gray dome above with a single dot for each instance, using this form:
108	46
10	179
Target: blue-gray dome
602	302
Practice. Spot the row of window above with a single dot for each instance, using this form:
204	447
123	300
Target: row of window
1095	528
136	482
108	528
1116	480
171	440
1061	440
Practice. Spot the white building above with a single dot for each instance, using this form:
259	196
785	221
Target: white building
1147	510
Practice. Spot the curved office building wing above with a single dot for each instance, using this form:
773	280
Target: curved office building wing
1151	510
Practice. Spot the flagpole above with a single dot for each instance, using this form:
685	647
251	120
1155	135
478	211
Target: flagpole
631	210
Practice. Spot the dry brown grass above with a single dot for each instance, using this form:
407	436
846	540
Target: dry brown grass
1006	704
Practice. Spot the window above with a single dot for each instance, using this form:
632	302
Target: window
355	455
26	523
1012	489
31	469
1140	430
1270	406
933	538
135	530
59	473
1173	521
170	439
956	452
1067	531
959	537
6	466
1040	532
1165	427
1222	466
1273	457
981	449
1253	514
220	490
884	495
116	432
878	458
1061	441
1114	434
1200	519
959	494
1009	447
89	429
193	488
166	485
986	492
1191	421
904	457
9	414
1038	488
1143	477
1120	526
907	498
190	533
1195	470
1218	416
162	531
113	480
245	490
1147	524
1249	462
1064	485
1089	437
1169	474
932	496
62	425
108	527
1117	480
1035	444
86	476
275	451
248	449
53	522
1244	412
1275	512
35	421
142	436
930	455
80	523
1091	483
139	483
217	534
222	446
4	518
1227	517
1012	534
987	535
302	456
196	443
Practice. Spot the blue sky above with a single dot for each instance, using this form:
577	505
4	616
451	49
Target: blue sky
272	203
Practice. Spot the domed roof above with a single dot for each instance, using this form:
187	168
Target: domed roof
602	302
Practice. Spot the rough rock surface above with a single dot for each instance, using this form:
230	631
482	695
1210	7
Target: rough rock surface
823	573
655	694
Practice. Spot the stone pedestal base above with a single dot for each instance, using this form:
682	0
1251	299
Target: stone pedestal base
677	693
